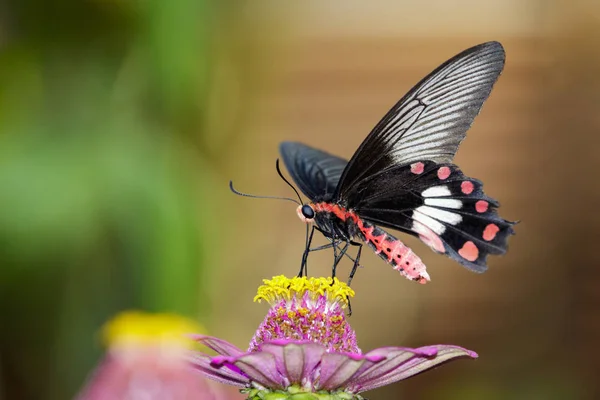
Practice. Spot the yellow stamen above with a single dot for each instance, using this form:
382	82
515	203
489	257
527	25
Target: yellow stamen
281	287
144	328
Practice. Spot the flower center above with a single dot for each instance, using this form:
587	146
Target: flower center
306	309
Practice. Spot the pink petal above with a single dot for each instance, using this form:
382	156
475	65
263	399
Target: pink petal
202	363
393	358
297	361
404	363
260	367
337	369
149	376
222	347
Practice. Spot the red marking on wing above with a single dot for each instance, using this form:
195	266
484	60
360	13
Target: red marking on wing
429	237
417	168
469	251
490	231
443	173
481	206
467	187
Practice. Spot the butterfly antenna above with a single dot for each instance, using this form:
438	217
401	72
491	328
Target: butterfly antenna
288	182
259	197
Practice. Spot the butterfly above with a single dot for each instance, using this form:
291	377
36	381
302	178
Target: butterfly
402	176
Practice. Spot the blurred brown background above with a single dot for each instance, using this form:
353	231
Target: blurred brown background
122	123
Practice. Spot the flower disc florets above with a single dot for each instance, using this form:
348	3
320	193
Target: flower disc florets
307	309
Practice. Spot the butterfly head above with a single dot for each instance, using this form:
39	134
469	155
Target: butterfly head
306	213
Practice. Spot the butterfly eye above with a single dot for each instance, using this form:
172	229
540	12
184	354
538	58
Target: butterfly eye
308	212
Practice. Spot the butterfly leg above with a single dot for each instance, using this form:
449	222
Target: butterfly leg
356	264
323	247
303	264
338	257
334	243
354	268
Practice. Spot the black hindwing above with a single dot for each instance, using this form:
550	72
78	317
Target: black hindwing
447	210
316	172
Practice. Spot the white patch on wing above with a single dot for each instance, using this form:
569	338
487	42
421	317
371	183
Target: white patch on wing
445	203
440	215
436	191
429	222
428	237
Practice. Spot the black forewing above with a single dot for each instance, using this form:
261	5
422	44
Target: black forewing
316	172
431	120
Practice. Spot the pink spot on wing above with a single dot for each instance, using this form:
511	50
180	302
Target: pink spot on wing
469	251
467	187
490	231
429	237
443	173
481	206
417	168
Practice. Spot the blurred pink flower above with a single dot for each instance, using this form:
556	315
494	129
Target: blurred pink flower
146	360
306	345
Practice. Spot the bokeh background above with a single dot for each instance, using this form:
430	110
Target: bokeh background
122	121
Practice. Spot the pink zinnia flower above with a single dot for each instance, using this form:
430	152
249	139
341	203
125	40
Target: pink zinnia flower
146	359
306	345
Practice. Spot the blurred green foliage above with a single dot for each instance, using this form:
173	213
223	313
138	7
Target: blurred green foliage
104	190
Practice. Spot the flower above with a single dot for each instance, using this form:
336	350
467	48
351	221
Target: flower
146	359
305	348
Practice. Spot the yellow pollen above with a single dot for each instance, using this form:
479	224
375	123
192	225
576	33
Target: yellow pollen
284	288
149	329
302	311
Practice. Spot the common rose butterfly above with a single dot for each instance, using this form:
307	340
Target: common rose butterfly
402	176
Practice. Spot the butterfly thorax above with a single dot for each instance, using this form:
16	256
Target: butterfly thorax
335	221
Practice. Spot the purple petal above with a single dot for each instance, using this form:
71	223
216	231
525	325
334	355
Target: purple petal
393	356
202	363
403	363
295	360
337	369
221	346
259	367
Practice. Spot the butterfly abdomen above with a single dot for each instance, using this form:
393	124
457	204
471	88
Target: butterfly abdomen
390	249
393	251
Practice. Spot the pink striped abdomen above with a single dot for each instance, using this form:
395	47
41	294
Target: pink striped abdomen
393	251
